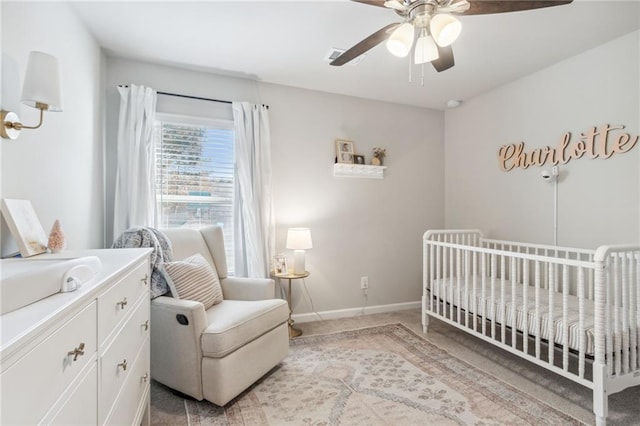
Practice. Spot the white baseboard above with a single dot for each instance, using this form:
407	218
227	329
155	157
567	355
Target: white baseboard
352	312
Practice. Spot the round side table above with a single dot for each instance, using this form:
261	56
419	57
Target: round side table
293	332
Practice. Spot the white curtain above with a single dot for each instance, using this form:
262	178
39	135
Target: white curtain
254	217
134	203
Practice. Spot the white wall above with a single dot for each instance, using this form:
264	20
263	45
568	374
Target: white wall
59	166
598	199
359	227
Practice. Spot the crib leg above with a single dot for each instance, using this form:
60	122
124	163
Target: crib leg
600	397
425	323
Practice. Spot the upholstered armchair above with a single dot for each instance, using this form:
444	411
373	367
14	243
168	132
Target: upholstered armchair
215	353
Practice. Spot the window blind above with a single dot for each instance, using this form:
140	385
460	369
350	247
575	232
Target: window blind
195	177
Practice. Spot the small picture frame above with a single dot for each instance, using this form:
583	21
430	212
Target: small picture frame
358	159
25	227
280	266
344	151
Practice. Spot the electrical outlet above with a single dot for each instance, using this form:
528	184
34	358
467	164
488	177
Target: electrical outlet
364	283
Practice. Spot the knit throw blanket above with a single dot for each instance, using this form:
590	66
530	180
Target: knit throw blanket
142	236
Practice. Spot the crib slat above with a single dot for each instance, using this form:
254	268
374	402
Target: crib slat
492	296
482	293
503	307
475	291
607	314
616	314
432	275
635	309
458	282
439	278
553	288
536	318
565	317
581	308
625	313
636	327
467	304
452	273
525	309
514	313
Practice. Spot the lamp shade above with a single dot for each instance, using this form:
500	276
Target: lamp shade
445	29
42	82
299	239
426	50
401	40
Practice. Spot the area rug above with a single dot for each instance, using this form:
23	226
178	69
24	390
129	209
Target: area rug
385	375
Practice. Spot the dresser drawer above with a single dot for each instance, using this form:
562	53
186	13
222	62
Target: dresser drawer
117	302
133	398
81	408
42	375
117	361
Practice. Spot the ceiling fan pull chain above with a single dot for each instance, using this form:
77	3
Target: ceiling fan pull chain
423	74
410	69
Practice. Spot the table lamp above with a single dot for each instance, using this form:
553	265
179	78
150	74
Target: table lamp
299	240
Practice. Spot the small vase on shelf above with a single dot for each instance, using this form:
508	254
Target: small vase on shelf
378	156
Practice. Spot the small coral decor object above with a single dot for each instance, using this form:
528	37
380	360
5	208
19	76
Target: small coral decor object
57	242
378	156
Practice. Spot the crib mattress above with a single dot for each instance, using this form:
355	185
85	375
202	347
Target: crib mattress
447	290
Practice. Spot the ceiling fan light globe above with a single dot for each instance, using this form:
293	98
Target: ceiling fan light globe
445	29
401	40
425	51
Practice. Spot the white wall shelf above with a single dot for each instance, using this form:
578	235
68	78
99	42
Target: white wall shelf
358	171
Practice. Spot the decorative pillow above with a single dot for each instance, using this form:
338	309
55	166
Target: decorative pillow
194	279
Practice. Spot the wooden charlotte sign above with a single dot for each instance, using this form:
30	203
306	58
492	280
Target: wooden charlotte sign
598	142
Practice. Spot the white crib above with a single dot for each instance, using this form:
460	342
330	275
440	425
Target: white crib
521	297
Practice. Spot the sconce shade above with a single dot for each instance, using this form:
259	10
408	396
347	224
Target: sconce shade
299	239
401	40
42	82
445	29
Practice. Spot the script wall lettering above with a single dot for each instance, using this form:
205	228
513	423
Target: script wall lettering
598	142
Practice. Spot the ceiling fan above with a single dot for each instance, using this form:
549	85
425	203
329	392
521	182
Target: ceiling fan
434	25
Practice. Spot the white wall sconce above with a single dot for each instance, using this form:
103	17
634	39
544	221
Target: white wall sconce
41	90
299	240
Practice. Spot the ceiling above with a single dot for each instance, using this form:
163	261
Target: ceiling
285	42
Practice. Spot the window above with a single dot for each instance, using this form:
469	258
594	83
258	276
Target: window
195	175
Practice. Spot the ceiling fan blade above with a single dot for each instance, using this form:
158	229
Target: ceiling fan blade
394	4
379	3
368	43
454	6
484	7
445	59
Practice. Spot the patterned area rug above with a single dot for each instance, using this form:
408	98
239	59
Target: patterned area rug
383	375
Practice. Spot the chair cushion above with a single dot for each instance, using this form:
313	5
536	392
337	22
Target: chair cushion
234	323
194	279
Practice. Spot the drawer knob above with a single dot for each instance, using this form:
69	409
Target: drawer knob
123	303
145	377
145	280
123	364
146	325
77	352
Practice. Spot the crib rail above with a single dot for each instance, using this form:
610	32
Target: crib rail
562	308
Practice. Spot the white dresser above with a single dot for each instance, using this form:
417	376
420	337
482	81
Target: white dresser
81	358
